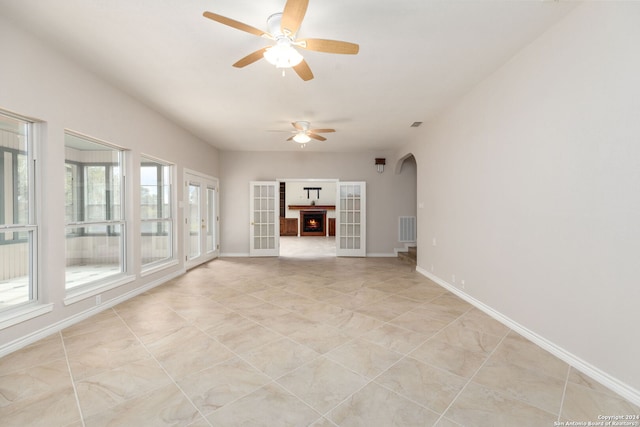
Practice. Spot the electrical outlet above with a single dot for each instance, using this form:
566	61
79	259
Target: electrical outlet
98	299
462	283
453	278
432	268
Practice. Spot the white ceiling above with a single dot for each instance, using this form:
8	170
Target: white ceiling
416	57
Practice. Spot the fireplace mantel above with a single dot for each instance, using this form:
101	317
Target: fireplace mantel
313	207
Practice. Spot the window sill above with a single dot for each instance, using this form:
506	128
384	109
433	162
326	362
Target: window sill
24	314
75	296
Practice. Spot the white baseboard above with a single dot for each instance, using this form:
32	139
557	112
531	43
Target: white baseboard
371	255
381	255
24	341
619	387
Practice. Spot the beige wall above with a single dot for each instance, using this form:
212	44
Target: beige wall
531	191
41	84
389	195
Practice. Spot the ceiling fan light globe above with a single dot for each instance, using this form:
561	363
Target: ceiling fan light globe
282	55
301	138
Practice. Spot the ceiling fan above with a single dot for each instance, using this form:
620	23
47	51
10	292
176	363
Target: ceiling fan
283	28
304	134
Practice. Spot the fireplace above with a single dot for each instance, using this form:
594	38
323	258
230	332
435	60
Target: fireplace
313	223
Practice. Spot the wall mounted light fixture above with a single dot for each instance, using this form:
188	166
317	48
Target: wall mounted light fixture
380	164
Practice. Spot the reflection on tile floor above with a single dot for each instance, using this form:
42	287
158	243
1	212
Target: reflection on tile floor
307	246
295	342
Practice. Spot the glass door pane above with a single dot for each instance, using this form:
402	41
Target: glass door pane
350	219
211	219
265	224
194	220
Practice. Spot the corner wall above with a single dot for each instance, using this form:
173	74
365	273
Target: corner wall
531	191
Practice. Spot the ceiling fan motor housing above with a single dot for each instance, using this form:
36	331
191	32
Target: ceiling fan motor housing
274	26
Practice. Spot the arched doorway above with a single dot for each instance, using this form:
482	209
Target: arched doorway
408	225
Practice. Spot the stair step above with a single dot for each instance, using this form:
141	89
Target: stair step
410	255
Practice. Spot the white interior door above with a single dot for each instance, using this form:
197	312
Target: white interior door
201	219
351	219
264	230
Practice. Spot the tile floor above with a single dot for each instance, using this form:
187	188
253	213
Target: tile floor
295	342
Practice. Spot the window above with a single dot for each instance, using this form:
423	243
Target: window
156	207
95	228
18	230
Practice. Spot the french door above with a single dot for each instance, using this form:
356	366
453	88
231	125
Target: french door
201	219
264	228
351	219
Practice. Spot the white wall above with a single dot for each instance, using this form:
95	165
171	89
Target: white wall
531	188
389	195
42	84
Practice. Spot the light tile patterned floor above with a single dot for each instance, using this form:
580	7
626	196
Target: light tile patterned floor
295	342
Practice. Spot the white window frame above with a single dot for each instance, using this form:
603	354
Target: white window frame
35	306
172	260
94	288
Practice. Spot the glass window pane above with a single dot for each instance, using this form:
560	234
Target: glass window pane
93	194
155	189
15	268
16	175
115	193
156	203
156	242
96	193
72	200
95	256
18	238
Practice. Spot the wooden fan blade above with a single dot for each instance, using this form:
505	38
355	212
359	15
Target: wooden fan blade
251	58
297	125
318	137
321	130
303	70
329	46
236	24
293	15
290	138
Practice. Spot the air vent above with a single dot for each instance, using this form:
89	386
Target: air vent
407	229
416	124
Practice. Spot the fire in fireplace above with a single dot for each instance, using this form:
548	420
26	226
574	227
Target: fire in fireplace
313	223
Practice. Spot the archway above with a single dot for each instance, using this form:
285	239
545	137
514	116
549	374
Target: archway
408	225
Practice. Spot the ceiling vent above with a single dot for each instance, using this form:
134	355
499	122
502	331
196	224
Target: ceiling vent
416	124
